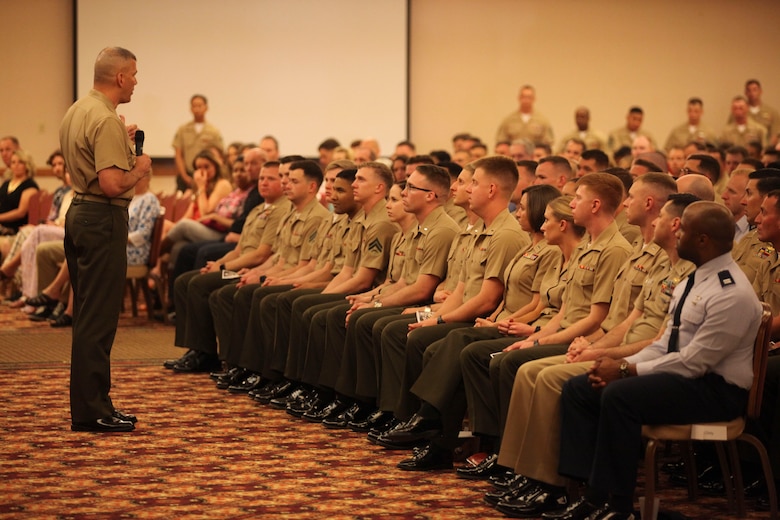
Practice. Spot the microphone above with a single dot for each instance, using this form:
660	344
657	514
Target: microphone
139	142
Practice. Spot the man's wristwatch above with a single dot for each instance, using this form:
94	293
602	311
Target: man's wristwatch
623	369
377	304
439	320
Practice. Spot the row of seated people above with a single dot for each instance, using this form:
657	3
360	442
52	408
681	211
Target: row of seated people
401	328
36	261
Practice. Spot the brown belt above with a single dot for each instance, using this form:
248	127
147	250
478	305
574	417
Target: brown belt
86	197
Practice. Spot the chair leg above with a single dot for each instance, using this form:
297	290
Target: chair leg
736	471
690	465
728	483
767	468
144	283
650	478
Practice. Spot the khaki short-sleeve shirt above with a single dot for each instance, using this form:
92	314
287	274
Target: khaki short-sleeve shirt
93	139
457	255
494	246
537	129
326	239
593	273
299	233
767	282
552	290
750	253
653	301
191	143
369	244
262	224
630	280
399	258
429	246
524	274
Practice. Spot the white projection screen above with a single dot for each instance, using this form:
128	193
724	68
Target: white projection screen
300	70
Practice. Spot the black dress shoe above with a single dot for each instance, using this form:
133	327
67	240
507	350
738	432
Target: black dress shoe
257	393
108	424
708	473
280	389
341	421
197	363
375	432
122	416
370	421
330	410
280	403
169	363
428	458
487	468
231	377
301	405
248	383
410	433
506	480
577	510
533	505
523	486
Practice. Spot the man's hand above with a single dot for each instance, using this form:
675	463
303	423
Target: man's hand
513	328
517	345
440	296
210	267
576	348
249	277
430	322
232	238
604	371
482	322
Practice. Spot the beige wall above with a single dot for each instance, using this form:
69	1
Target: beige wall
469	58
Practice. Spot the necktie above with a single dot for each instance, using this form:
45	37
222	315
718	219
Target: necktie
674	337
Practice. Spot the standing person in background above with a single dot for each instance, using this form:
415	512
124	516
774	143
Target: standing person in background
104	171
193	138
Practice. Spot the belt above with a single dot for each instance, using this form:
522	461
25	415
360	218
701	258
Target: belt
100	199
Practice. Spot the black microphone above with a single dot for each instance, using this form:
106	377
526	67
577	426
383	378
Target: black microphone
139	142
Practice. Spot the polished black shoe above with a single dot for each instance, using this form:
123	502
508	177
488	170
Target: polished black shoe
301	405
485	469
375	432
341	421
122	416
410	433
263	390
247	384
58	312
708	473
752	486
428	458
169	363
577	510
330	410
280	403
197	363
279	389
107	425
373	419
231	377
533	505
521	487
42	312
506	480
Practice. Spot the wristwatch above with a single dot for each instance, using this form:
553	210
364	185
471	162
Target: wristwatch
439	320
377	304
623	369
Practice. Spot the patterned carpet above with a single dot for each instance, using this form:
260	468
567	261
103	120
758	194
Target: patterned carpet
199	452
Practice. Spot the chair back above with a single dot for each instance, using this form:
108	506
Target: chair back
157	232
760	357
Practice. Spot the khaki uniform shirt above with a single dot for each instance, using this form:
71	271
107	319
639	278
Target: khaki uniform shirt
494	246
653	301
536	130
750	253
593	139
369	243
630	232
593	273
621	137
90	120
752	131
398	260
552	290
629	281
456	213
458	251
767	282
767	117
427	252
326	239
299	233
262	224
681	135
341	245
524	274
191	143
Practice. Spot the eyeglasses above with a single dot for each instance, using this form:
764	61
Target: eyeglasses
410	186
688	171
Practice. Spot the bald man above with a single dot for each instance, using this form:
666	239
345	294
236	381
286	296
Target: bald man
699	373
696	184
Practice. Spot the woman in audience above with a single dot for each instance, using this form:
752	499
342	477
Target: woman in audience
208	216
15	195
20	262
